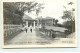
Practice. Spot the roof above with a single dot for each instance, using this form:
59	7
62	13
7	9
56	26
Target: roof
27	17
39	18
48	18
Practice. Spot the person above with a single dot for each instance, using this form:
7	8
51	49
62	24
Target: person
26	28
31	28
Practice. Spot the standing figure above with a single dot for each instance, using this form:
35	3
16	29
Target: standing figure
26	28
31	28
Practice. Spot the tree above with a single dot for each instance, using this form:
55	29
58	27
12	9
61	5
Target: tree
70	3
38	9
69	16
10	15
19	8
28	6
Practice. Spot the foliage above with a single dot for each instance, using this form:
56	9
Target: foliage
11	18
14	11
11	13
69	16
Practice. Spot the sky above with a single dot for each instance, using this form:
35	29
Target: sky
53	8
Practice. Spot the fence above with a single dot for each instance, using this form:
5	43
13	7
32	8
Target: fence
10	29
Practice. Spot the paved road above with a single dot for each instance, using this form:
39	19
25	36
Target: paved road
28	38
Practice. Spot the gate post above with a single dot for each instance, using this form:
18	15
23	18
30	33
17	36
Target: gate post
27	23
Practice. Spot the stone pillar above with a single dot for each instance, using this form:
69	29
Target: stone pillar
34	24
27	23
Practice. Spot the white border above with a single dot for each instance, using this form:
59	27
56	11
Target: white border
36	46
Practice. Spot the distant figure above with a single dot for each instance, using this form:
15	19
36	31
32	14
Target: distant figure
31	28
26	28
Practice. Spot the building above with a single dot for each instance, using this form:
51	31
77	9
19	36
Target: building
28	21
48	21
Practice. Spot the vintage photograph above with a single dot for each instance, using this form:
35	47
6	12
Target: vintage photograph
42	23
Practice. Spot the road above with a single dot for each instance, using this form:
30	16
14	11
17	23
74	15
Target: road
28	38
33	38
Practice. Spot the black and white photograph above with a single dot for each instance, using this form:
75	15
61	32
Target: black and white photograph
39	23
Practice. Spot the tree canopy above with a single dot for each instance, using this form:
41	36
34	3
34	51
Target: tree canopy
14	11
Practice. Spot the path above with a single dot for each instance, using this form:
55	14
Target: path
28	38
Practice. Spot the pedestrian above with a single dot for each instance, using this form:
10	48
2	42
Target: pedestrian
26	28
31	28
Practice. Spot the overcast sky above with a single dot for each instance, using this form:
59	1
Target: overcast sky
53	8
